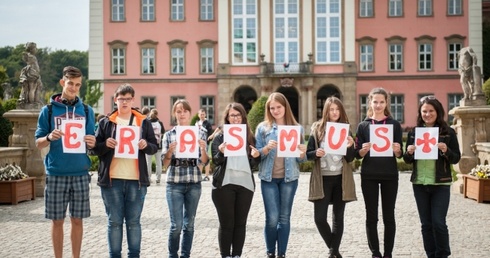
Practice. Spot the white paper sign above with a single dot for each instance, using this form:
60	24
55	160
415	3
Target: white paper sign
235	136
72	140
336	138
381	138
187	142
127	138
426	139
289	139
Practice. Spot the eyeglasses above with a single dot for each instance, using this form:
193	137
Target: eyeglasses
235	116
426	98
122	100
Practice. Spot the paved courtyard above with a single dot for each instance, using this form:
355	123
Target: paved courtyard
25	233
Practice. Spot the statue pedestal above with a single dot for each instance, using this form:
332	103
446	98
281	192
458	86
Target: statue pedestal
25	124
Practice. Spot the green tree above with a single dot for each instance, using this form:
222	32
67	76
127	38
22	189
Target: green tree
3	79
486	90
93	93
5	128
256	114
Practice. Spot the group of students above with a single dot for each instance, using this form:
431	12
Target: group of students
123	182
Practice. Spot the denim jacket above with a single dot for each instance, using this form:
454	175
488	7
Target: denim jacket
263	135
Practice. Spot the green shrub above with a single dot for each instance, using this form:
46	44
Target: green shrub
306	166
9	104
5	128
256	114
194	119
95	163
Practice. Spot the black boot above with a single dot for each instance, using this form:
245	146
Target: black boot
269	255
281	256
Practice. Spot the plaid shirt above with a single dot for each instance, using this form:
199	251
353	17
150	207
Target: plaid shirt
182	174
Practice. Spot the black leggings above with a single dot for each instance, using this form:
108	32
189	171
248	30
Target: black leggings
332	188
232	203
370	191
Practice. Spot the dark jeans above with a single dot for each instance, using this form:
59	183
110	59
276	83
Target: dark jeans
232	203
432	204
370	191
332	188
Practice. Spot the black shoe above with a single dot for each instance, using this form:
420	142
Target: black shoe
269	255
281	256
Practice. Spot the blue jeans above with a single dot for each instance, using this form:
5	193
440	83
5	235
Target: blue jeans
182	200
124	202
278	199
432	204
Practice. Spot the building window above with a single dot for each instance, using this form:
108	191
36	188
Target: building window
207	10
177	60
244	26
453	101
118	60
328	32
396	57
366	8
454	7
397	107
425	8
453	50
118	10
395	8
148	60
363	107
207	60
148	102
366	57
173	99
286	32
147	10
177	10
207	103
425	57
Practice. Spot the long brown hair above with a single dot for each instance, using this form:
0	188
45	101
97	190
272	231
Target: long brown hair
288	113
239	107
383	92
319	126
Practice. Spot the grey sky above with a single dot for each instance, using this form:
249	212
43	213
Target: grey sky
56	24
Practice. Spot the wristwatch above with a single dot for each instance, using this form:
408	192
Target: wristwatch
47	138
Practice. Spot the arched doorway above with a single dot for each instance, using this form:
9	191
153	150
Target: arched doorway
323	93
292	95
246	96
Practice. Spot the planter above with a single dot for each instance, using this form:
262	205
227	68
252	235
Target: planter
476	188
16	191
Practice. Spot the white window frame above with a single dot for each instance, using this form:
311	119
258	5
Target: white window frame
149	101
148	10
395	8
286	31
118	60
397	108
452	55
425	56
244	30
455	7
206	10
452	102
424	8
366	57
363	107
207	59
178	60
328	32
207	103
177	10
118	10
366	8
148	57
395	55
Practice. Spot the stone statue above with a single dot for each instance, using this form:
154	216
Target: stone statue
470	74
7	91
30	77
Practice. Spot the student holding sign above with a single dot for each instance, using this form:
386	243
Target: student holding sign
183	151
331	180
233	194
124	138
279	174
432	179
378	144
65	130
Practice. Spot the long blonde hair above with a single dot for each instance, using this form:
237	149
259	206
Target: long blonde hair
288	113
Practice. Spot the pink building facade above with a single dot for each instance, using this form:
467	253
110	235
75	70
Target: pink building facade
214	52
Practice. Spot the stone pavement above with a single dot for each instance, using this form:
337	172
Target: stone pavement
25	233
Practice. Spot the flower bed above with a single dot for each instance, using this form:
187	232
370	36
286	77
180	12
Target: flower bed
15	186
477	184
